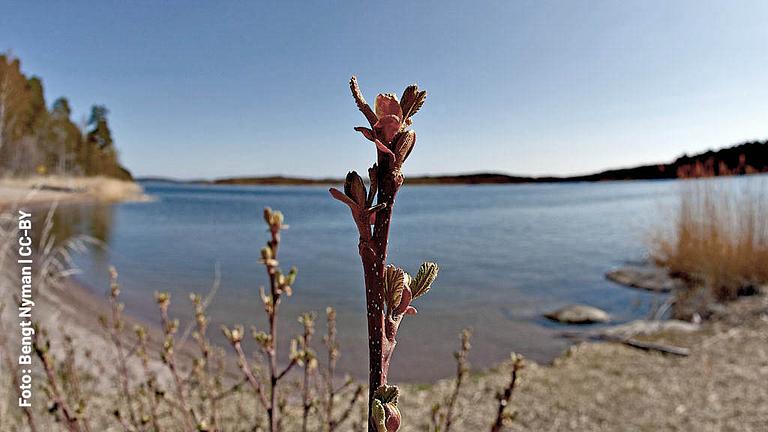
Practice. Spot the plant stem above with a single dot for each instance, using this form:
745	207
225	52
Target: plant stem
306	399
272	351
65	413
330	343
505	397
381	331
462	367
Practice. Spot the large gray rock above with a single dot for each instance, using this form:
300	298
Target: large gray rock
646	278
578	314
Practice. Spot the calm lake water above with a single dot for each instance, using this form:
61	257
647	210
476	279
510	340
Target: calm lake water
507	253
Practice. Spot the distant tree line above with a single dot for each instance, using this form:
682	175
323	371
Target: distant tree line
747	158
37	140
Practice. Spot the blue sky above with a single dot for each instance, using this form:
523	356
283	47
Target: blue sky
211	89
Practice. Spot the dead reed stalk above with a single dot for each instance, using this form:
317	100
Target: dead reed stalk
718	241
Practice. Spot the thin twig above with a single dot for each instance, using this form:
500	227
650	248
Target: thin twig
506	395
169	358
115	329
462	368
61	406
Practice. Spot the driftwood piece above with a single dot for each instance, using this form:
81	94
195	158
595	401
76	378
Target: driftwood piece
653	346
634	343
646	327
634	328
625	334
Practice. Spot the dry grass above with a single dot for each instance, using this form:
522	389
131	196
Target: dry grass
719	238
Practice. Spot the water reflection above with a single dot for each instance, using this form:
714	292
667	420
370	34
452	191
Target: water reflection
91	222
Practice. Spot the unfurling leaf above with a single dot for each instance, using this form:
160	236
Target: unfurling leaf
384	149
384	410
277	218
162	298
291	278
387	127
412	101
355	189
362	105
404	144
424	279
266	253
387	393
307	320
261	337
339	195
373	186
367	133
273	218
394	418
379	416
405	302
235	335
387	105
377	207
395	281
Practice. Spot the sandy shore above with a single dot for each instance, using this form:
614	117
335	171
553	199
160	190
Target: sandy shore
43	190
721	386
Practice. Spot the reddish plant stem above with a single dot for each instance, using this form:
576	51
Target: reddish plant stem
373	251
389	123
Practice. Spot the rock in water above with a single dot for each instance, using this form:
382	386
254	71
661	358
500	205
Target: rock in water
646	278
578	314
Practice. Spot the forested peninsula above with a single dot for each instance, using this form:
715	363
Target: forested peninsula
36	139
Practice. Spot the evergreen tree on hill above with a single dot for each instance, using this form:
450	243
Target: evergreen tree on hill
34	140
